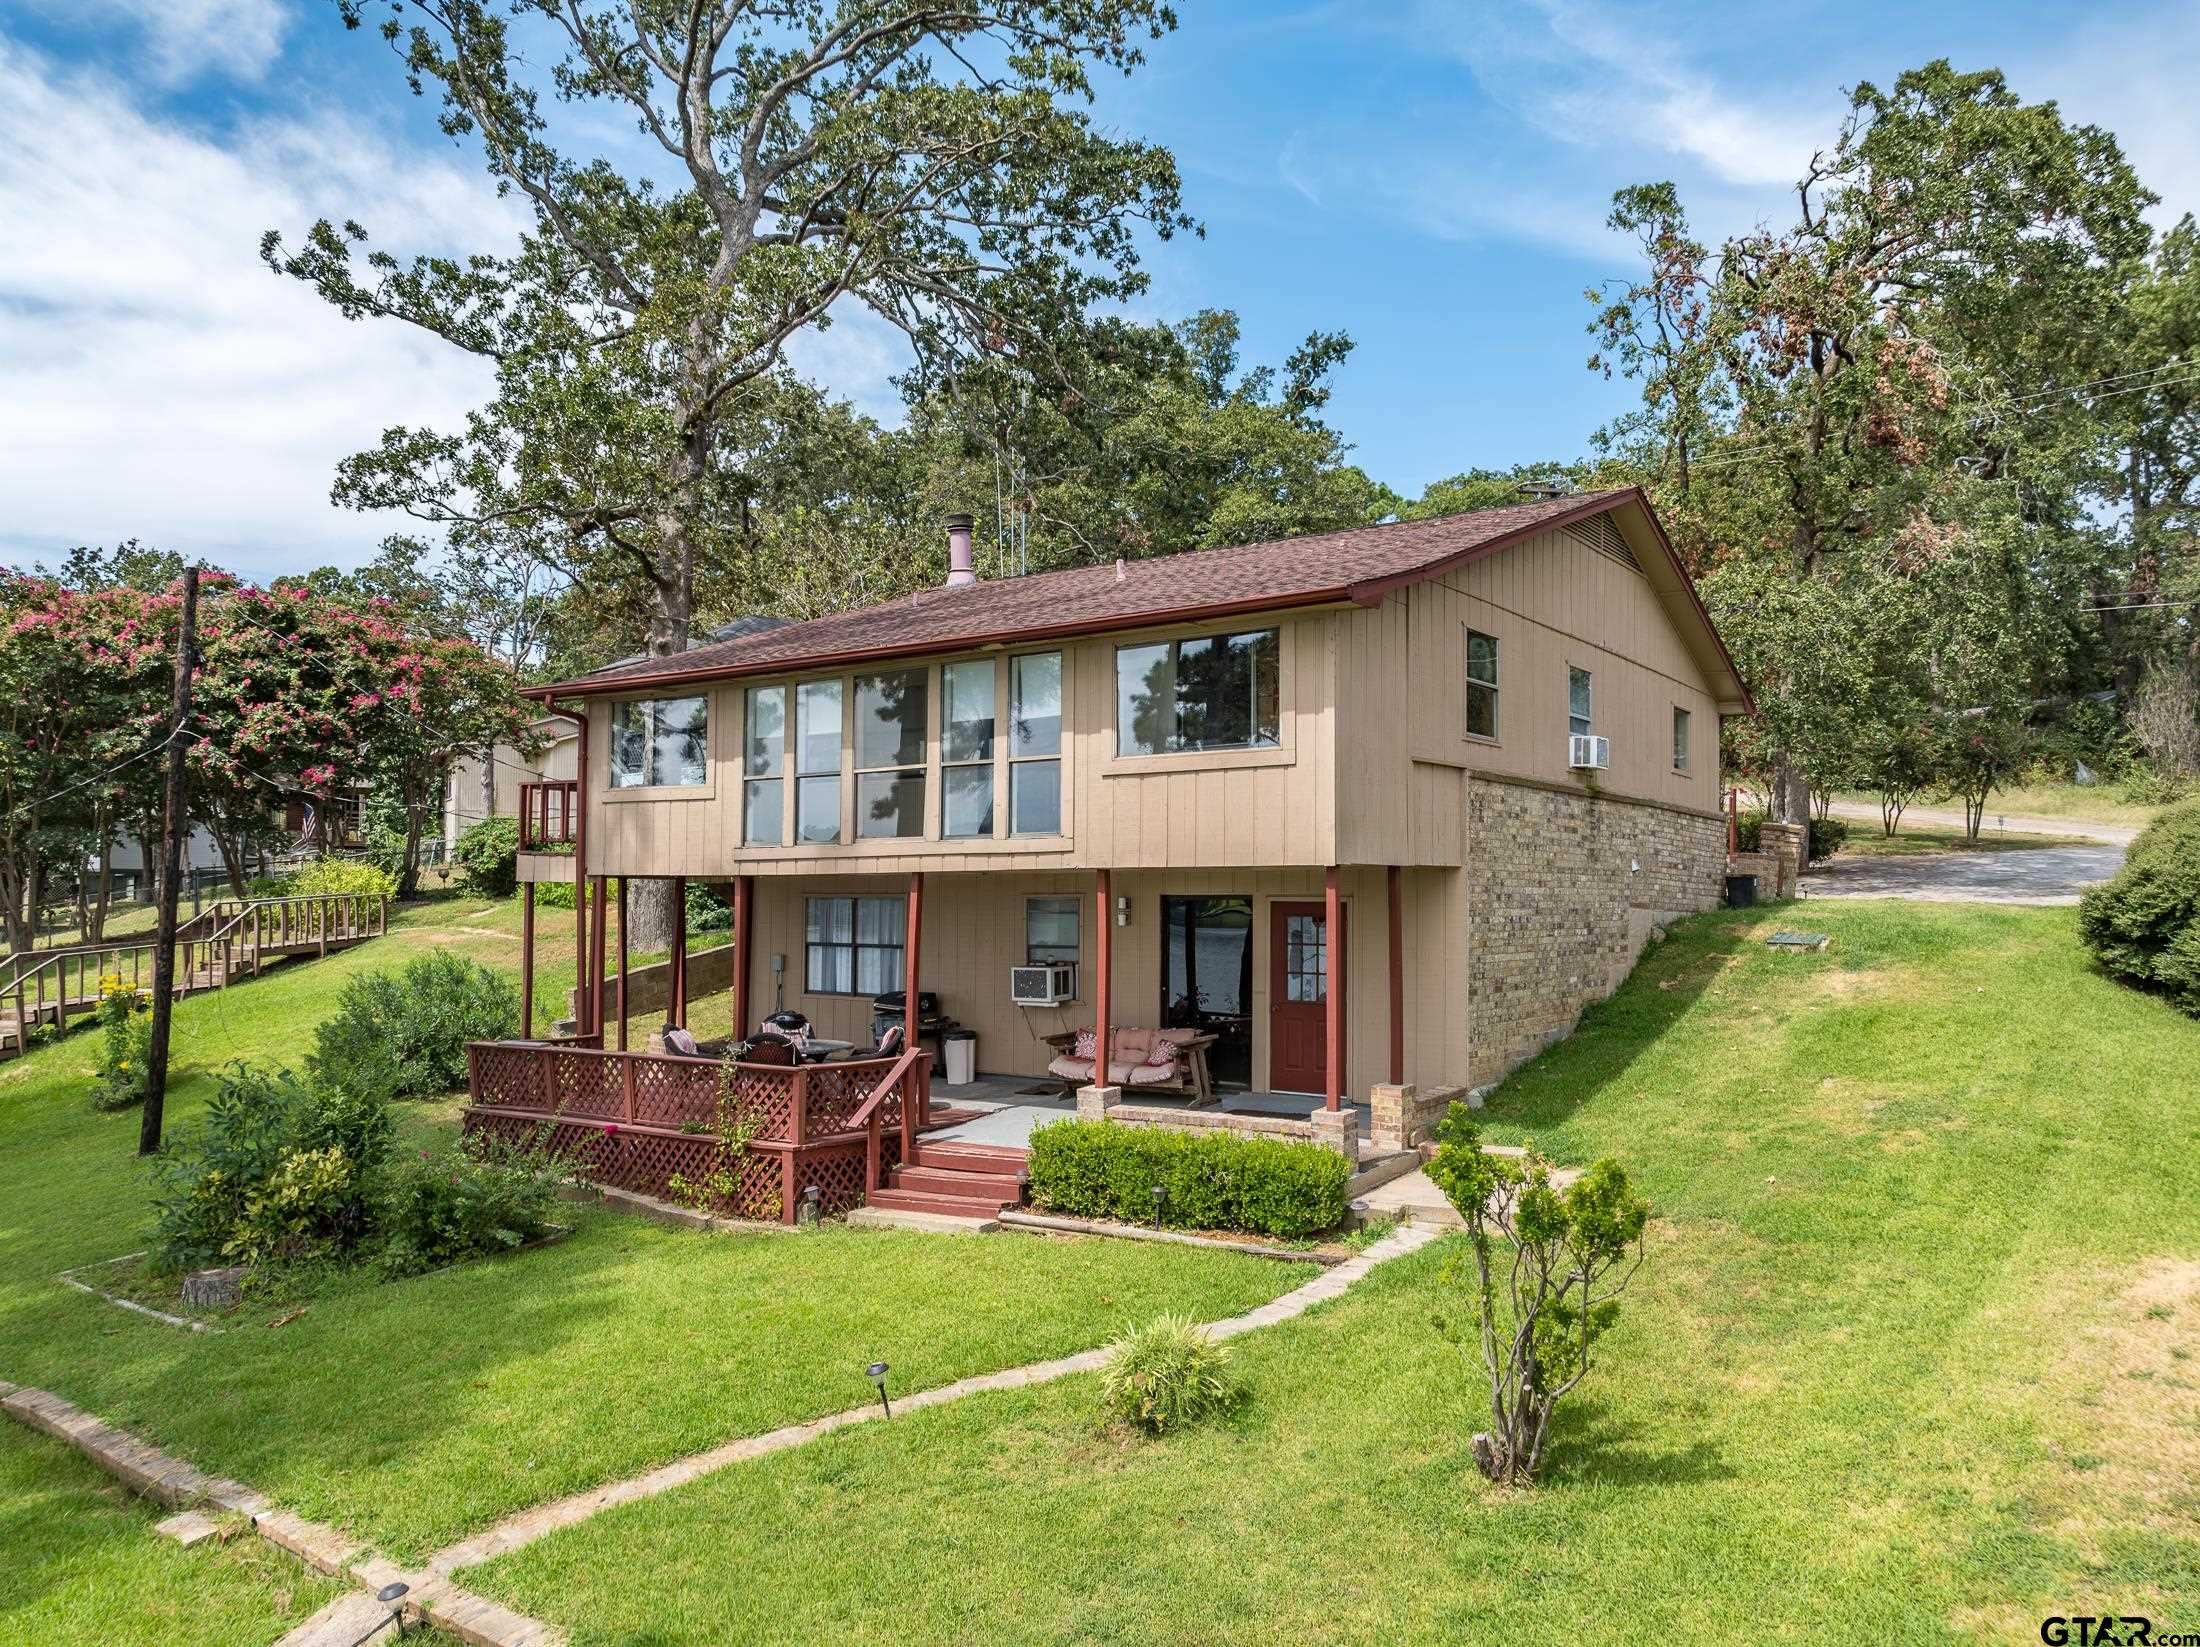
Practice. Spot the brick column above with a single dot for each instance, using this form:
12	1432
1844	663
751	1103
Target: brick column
1784	843
1390	1117
1339	1129
1093	1103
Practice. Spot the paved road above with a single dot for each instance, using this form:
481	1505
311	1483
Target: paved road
2052	875
2074	828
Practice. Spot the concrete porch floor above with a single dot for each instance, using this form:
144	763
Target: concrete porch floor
1013	1108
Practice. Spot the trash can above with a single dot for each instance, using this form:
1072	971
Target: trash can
1741	891
959	1047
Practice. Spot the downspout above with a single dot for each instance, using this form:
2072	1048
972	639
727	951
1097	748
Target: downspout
581	993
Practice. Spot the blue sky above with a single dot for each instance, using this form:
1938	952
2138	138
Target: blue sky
1429	177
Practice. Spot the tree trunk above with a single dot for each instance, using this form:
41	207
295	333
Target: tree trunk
103	893
232	852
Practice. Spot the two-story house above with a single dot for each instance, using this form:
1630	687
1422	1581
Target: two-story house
1380	808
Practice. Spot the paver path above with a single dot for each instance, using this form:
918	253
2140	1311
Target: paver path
2052	875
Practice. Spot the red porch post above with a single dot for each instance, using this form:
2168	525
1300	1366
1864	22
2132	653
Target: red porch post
1103	955
910	983
679	1010
593	990
622	963
744	950
1333	1017
527	960
1396	878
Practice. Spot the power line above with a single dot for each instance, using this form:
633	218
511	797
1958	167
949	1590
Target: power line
97	777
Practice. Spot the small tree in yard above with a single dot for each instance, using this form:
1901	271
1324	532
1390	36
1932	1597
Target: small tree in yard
1536	1310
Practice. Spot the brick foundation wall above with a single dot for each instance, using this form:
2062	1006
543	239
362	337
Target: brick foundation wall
1558	910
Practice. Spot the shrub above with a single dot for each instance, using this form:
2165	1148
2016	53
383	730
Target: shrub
1827	836
126	1045
1217	1180
342	875
404	1035
476	1197
1165	1375
487	855
706	911
2143	926
2143	785
279	1170
1536	1308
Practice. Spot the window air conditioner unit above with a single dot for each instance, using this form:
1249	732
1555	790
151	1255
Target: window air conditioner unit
1044	985
1585	752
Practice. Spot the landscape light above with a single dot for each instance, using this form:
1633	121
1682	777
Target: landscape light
1160	1194
877	1373
391	1596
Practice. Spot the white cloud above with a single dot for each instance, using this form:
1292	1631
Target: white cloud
187	38
161	382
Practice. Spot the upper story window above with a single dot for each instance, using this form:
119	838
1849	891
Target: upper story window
1035	744
966	749
1680	739
1580	716
889	749
1208	692
763	767
660	743
817	763
1481	684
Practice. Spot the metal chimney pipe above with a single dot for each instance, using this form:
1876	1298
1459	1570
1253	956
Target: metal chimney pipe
958	552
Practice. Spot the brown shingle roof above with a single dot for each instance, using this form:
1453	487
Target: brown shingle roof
1357	564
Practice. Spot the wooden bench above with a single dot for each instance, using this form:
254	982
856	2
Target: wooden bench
1186	1076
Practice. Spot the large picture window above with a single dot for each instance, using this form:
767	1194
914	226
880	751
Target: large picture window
966	749
763	767
855	945
660	743
889	740
1481	684
817	763
1035	744
1209	692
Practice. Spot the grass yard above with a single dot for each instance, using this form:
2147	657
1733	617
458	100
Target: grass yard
1916	1358
417	1412
1925	840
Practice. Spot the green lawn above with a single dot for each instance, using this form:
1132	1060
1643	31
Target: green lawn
1916	1358
1923	840
84	1568
417	1412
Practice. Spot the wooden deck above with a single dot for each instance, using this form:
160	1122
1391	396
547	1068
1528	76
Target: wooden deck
233	939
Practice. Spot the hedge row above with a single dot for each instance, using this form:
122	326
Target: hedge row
1214	1181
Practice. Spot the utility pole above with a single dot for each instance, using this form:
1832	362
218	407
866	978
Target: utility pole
173	826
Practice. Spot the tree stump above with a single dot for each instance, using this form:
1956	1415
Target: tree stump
215	1289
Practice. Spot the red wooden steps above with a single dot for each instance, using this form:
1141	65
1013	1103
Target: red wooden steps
955	1180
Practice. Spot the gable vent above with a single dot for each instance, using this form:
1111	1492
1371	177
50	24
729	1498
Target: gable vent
1600	534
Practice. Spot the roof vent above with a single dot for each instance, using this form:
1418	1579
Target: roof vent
1544	489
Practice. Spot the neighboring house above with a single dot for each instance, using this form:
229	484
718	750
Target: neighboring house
1379	807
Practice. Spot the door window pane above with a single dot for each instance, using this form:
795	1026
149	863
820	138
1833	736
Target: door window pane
761	820
890	803
966	711
766	744
1305	958
1035	693
1035	798
817	810
968	801
817	710
890	711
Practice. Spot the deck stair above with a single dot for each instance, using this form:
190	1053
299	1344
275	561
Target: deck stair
223	943
955	1180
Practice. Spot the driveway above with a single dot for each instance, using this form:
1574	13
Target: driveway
2052	875
2073	828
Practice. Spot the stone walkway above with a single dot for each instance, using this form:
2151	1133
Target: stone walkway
472	1618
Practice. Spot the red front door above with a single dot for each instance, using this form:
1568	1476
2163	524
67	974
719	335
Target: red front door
1298	998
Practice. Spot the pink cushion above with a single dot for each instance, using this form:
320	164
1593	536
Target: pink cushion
1071	1069
1151	1075
1088	1045
1163	1055
1131	1046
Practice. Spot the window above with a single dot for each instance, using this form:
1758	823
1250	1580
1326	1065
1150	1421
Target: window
763	761
1052	930
1210	692
1680	739
817	763
1578	717
854	946
1481	684
890	730
1035	744
966	749
660	743
1305	958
